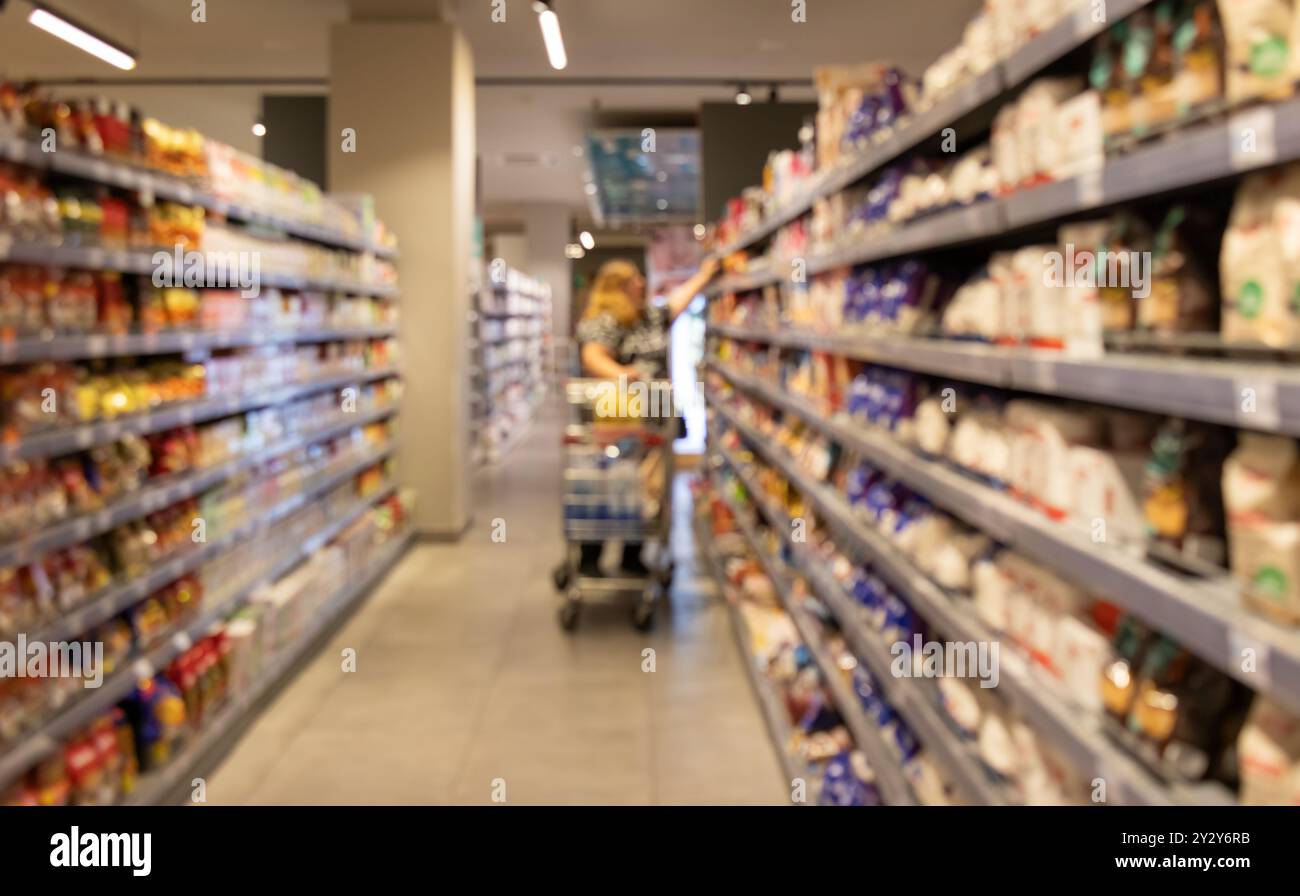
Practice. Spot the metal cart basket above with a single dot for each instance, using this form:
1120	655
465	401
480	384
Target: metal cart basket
618	470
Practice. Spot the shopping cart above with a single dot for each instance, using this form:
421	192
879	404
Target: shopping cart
618	471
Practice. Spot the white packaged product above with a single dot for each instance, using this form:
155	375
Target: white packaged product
1260	60
1107	493
990	585
1268	750
1081	137
1038	142
1261	494
1041	439
1256	306
931	426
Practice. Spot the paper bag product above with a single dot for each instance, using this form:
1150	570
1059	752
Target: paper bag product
1260	60
1081	137
1256	306
1261	492
1037	138
1266	557
1261	480
1286	225
1082	654
1268	756
990	585
1106	488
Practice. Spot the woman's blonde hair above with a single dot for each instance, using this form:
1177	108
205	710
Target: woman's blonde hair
609	293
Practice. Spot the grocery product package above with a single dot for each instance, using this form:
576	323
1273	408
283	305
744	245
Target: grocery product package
1257	304
1268	754
1260	60
1261	493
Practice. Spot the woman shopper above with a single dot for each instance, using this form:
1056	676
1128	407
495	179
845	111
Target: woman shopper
622	335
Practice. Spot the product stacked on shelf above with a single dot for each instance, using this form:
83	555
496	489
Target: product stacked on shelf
511	332
1078	445
196	477
795	680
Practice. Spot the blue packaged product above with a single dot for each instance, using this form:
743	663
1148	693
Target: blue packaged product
859	396
868	692
847	782
870	294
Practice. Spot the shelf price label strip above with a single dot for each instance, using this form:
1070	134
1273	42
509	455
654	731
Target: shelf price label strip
1202	389
163	342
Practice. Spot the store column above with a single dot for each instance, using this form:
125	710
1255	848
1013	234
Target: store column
401	128
548	227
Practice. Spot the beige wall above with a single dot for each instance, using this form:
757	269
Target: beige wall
407	88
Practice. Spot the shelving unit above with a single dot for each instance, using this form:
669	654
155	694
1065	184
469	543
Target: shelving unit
1202	612
171	783
299	511
510	331
112	172
1078	737
774	714
1073	31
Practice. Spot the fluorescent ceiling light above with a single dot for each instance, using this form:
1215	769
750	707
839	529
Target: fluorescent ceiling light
79	37
549	22
587	240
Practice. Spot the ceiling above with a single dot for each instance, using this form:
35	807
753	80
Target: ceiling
723	39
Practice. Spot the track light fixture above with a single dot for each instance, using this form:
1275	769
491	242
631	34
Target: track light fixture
549	22
743	96
81	37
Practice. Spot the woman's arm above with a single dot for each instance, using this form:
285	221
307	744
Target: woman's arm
681	297
598	361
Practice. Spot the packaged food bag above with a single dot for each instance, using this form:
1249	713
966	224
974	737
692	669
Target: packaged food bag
1268	756
1259	35
1261	493
1256	306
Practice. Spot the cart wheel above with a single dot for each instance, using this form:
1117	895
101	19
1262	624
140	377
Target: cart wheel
569	615
560	576
643	614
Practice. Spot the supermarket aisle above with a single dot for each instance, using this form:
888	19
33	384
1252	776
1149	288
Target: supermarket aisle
463	677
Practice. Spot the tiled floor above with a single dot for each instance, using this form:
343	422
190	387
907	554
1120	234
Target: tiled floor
465	683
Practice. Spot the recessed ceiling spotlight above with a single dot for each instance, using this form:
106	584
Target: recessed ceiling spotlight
743	96
590	189
588	241
573	251
259	129
699	231
662	205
